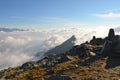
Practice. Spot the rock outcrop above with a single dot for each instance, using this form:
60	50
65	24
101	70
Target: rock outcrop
96	41
111	44
111	34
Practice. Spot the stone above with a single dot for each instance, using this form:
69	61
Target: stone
111	34
90	53
94	37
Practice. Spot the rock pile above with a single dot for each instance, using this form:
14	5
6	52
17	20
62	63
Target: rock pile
96	41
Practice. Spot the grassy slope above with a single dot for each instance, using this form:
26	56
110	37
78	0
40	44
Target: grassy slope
77	69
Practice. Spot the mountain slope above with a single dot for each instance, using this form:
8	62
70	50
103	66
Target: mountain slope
88	61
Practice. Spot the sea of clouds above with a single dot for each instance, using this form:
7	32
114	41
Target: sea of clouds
18	47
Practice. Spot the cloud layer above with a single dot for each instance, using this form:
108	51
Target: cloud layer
109	15
19	47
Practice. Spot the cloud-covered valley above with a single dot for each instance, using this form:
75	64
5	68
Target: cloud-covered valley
18	47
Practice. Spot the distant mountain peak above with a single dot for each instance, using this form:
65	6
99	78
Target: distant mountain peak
65	46
12	29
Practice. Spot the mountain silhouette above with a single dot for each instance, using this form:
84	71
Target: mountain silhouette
65	46
11	29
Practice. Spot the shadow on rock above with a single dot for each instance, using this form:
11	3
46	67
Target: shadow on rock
65	46
112	62
112	49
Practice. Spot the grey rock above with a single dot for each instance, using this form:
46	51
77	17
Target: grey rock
96	41
111	44
111	34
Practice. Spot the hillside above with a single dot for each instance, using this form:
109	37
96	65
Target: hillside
94	60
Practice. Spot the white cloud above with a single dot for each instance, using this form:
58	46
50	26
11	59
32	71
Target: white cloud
15	42
109	15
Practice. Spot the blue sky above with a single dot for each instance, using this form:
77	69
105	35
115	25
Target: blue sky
59	13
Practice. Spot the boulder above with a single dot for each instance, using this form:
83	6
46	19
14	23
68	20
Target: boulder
90	53
111	34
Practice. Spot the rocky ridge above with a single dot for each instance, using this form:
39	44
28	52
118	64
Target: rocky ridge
94	60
